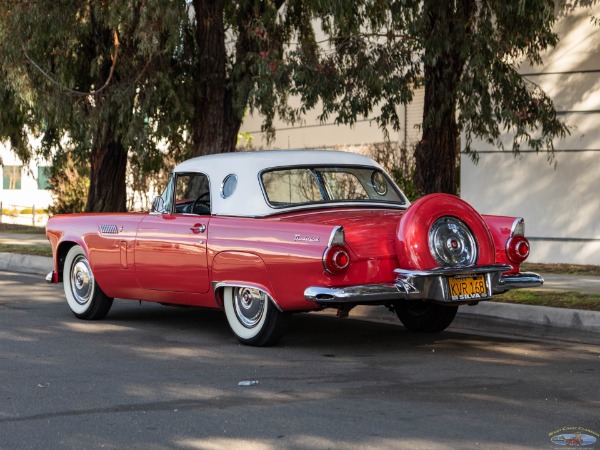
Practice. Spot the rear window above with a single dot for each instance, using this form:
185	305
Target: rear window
296	186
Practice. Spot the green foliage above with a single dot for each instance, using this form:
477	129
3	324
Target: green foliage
571	300
245	141
405	182
30	211
21	229
395	160
69	184
151	75
36	250
12	212
84	75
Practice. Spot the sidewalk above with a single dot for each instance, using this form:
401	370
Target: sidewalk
539	315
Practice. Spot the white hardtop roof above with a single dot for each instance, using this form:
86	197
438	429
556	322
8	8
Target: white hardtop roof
256	161
248	199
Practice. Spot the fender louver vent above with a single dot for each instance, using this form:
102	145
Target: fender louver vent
109	229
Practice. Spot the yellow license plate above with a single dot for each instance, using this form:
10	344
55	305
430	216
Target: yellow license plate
468	287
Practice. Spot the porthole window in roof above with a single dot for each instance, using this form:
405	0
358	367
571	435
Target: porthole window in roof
229	185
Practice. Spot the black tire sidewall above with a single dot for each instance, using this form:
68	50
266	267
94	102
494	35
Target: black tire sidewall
425	317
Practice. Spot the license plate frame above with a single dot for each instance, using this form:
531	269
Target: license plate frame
468	287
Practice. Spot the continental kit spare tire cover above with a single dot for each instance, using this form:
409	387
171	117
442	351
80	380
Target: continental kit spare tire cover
412	243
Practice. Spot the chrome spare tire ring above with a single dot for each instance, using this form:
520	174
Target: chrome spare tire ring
452	243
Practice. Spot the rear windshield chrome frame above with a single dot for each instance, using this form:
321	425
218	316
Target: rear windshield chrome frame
329	203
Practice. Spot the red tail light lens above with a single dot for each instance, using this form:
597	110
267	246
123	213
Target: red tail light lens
517	249
336	259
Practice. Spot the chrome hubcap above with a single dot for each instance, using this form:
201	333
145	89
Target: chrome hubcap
82	280
452	243
249	305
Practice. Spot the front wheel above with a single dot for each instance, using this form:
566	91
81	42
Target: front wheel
253	317
425	316
84	296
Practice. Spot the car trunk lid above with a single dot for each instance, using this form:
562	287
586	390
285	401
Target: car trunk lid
370	233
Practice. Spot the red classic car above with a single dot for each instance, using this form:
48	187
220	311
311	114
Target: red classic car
264	234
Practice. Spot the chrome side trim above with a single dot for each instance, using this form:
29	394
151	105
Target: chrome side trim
224	284
518	227
108	229
518	281
334	233
422	285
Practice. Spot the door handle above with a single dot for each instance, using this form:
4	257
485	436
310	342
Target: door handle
198	228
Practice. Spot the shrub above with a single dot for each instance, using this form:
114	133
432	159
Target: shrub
30	211
69	185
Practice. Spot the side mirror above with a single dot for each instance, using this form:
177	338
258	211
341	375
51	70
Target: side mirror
158	205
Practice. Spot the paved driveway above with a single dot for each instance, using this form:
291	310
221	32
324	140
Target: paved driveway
153	377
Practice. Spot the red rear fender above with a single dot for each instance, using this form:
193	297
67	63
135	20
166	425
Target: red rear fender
239	269
413	231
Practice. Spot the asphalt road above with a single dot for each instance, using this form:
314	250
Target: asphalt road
154	377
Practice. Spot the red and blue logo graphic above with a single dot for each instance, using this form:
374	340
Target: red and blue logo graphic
574	437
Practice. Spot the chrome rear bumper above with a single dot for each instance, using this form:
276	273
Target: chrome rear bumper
423	285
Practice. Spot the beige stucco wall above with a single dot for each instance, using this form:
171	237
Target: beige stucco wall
560	204
311	133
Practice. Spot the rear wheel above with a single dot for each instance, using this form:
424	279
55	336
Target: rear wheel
425	316
84	296
253	317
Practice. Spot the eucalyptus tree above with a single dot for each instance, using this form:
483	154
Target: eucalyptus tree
94	79
112	79
471	52
465	53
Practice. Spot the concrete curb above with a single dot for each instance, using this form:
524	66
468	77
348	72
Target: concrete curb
15	262
574	319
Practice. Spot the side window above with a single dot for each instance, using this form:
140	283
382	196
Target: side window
167	196
192	194
342	185
288	187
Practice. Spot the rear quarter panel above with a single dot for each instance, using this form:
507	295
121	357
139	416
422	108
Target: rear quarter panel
292	255
501	228
290	265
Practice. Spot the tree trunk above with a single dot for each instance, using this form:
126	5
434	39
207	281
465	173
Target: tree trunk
107	191
215	125
437	154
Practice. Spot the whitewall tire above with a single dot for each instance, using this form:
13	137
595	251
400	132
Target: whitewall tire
84	296
253	317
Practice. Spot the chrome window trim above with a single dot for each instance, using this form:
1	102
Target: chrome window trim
176	175
227	177
405	203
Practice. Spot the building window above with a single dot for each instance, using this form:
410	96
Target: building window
42	179
11	178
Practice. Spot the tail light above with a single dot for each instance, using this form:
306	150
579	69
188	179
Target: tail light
336	258
517	249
